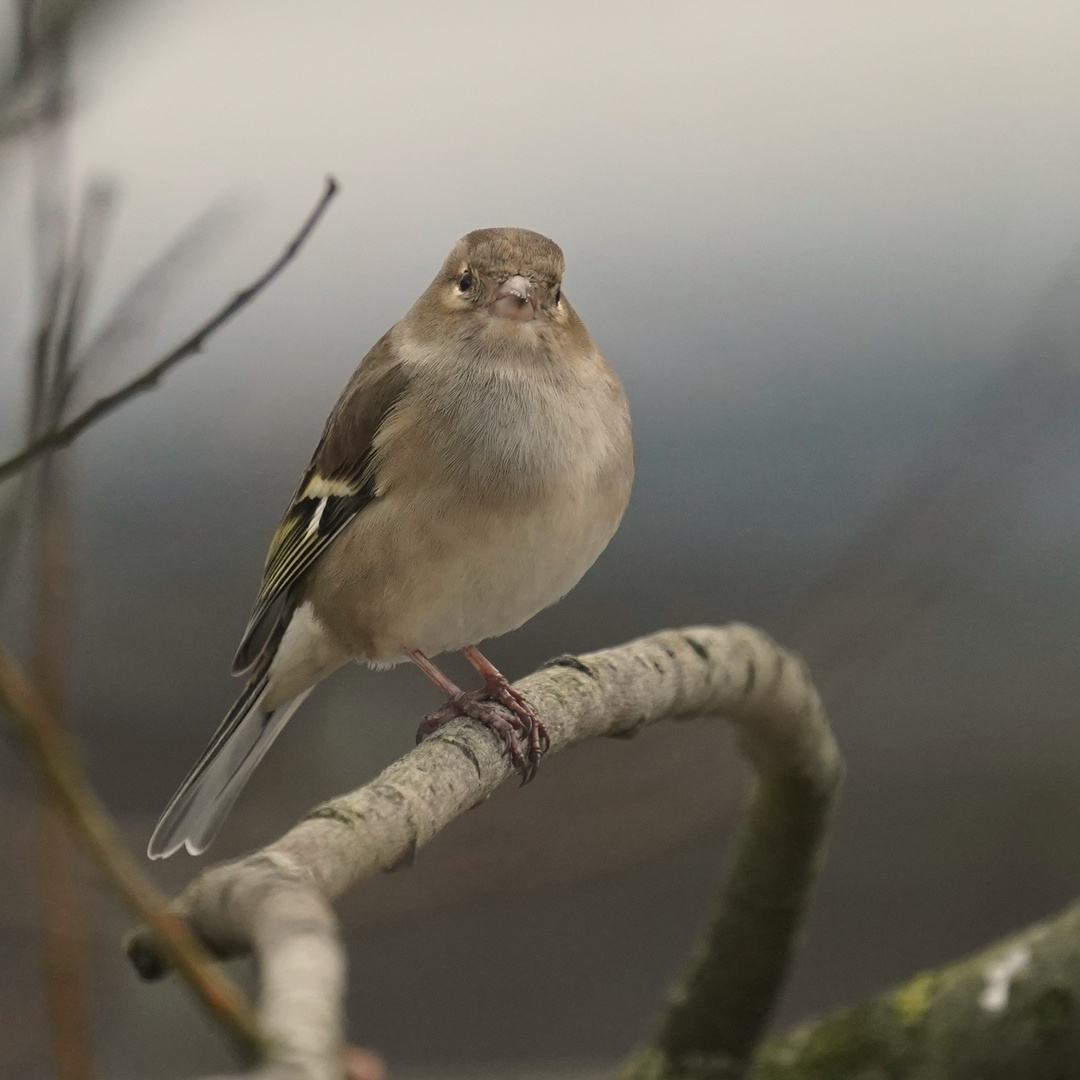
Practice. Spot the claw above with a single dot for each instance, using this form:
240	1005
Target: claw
507	714
516	702
498	706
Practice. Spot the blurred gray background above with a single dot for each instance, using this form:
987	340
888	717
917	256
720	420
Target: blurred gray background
832	250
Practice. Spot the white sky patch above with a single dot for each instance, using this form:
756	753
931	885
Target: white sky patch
999	977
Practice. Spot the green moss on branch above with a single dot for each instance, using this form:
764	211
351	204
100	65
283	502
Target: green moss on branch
1010	1012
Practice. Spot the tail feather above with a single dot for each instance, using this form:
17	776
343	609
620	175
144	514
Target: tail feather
204	799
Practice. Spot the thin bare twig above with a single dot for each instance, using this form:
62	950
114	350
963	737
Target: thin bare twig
66	433
58	765
134	313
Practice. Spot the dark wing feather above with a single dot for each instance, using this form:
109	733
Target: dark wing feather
337	485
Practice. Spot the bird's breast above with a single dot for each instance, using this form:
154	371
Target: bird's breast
495	495
508	437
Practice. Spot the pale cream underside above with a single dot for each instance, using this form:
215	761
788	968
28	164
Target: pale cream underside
400	578
495	496
305	655
414	575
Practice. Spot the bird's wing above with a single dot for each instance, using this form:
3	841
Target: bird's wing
337	485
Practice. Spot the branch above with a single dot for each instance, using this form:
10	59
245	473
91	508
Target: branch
85	262
276	903
52	755
133	314
66	433
1008	1011
63	933
45	32
12	512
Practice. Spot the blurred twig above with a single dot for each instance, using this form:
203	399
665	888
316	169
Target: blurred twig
277	901
45	29
65	433
85	259
77	361
63	280
65	940
61	912
134	313
55	760
12	505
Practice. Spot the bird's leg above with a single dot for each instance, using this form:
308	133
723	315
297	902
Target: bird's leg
500	690
479	705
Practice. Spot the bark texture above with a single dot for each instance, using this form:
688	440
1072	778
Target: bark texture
276	902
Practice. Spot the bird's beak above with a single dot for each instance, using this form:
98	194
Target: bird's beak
516	298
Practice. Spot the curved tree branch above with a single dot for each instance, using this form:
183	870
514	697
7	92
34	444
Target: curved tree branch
276	903
148	379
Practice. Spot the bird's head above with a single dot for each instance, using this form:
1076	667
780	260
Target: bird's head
498	286
504	274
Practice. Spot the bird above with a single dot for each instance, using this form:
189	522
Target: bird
474	467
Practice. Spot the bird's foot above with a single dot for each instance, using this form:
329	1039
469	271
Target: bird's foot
506	712
539	743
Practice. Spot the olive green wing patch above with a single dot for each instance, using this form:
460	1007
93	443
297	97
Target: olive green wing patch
311	524
338	484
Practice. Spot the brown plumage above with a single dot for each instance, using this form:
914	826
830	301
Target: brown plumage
475	466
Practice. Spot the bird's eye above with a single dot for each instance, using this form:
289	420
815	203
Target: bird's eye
465	281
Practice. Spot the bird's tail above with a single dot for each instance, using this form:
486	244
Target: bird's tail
206	796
